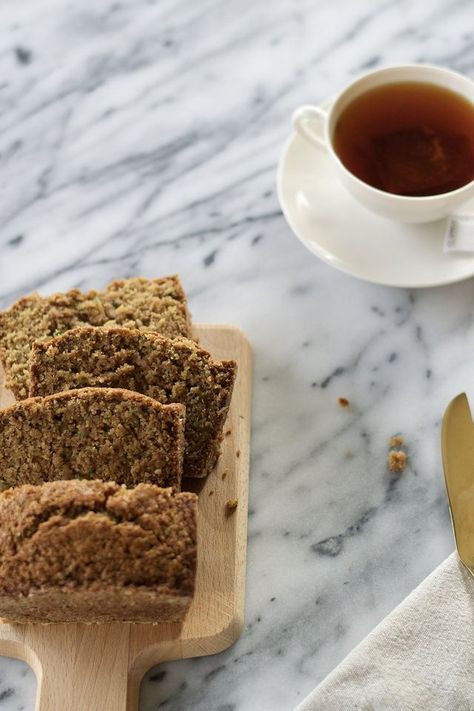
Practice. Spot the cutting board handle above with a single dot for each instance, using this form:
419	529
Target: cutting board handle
80	667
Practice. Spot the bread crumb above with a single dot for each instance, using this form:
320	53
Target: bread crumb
343	401
349	454
396	441
397	461
227	433
224	474
231	505
237	454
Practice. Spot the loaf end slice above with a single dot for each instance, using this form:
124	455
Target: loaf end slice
92	551
94	433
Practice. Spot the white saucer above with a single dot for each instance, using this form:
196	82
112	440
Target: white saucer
332	225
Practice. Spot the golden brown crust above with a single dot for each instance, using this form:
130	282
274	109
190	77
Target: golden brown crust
169	370
158	305
94	433
62	541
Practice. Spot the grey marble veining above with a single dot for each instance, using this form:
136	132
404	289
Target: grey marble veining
142	138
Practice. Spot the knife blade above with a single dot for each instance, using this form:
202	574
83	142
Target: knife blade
457	443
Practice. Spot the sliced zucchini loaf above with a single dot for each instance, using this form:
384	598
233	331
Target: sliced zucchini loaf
169	370
94	433
158	305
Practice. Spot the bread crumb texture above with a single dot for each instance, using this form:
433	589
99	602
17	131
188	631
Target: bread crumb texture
94	433
168	370
158	305
397	461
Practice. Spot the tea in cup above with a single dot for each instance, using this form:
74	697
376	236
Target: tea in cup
401	139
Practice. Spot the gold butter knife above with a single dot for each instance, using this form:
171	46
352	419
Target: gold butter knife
457	443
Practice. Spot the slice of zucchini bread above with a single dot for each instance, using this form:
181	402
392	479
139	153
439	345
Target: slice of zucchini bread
158	305
169	370
92	551
94	433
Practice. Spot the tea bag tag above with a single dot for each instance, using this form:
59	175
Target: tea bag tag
459	236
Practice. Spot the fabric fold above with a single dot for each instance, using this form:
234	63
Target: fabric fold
419	658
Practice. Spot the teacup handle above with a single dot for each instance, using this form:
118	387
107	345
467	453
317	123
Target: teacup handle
309	122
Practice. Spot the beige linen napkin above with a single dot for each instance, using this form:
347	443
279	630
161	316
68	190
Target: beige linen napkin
419	658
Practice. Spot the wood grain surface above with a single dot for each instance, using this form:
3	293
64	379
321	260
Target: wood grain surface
100	667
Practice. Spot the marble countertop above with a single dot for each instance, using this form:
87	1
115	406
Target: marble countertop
142	138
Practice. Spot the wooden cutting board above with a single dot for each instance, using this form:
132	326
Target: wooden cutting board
100	667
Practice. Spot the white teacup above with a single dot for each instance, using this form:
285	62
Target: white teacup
316	124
